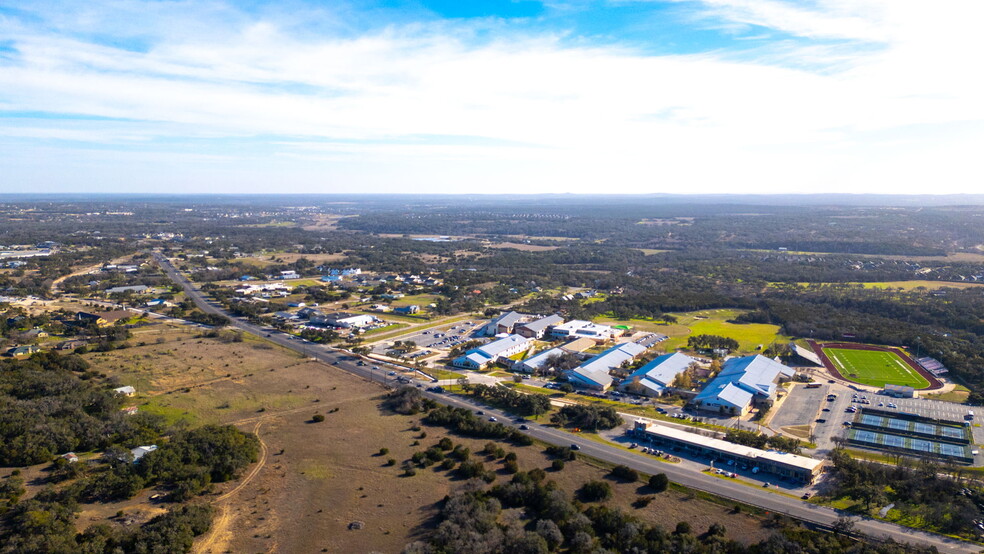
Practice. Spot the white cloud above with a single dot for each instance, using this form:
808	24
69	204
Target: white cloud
900	103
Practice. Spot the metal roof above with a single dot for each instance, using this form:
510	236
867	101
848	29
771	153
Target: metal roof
661	371
786	458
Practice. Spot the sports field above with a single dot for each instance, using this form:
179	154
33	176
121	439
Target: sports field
874	368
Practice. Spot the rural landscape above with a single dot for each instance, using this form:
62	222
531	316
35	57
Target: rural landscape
491	277
303	374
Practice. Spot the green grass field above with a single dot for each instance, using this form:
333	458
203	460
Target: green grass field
874	368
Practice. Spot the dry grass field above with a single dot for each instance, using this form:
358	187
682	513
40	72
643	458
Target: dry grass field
315	479
522	246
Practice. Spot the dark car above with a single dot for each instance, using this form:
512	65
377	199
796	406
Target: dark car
524	427
805	496
821	420
480	412
575	447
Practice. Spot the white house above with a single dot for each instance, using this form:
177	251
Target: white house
125	391
141	451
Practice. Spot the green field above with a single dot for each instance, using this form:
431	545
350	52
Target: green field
874	368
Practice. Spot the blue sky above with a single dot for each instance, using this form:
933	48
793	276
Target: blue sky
580	96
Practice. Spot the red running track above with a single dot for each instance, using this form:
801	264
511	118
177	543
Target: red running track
934	383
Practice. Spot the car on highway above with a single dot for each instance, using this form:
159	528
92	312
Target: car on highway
805	496
766	485
524	427
575	447
360	363
480	412
391	373
493	419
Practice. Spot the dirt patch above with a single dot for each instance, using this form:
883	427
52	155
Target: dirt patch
522	246
800	431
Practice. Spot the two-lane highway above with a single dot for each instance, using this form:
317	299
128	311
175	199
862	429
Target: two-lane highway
733	490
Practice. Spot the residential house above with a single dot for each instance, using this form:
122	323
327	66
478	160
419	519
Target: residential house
141	451
25	350
125	391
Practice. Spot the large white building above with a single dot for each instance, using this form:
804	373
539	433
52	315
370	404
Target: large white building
344	320
783	464
593	374
537	328
585	329
479	358
653	378
742	383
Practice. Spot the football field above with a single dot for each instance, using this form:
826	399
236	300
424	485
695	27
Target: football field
874	368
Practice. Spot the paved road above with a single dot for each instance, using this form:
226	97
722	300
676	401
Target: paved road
755	496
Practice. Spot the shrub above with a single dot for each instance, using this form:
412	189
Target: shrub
595	491
682	528
445	444
511	466
659	482
318	418
391	462
557	465
384	451
409	472
625	473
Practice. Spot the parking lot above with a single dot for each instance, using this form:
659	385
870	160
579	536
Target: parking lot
444	338
800	407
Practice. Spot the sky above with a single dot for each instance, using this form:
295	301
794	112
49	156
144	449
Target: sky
493	96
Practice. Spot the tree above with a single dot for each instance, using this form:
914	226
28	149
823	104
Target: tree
595	491
659	482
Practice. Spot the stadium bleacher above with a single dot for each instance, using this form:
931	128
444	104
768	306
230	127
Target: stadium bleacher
932	365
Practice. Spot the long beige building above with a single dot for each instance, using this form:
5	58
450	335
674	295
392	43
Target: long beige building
782	464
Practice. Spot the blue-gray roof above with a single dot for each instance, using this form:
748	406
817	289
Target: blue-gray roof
661	371
542	323
754	375
596	369
494	348
536	362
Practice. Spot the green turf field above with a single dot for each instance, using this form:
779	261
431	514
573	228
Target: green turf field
874	368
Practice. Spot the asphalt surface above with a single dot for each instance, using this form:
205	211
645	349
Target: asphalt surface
741	492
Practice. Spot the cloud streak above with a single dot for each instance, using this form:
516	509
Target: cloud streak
863	95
